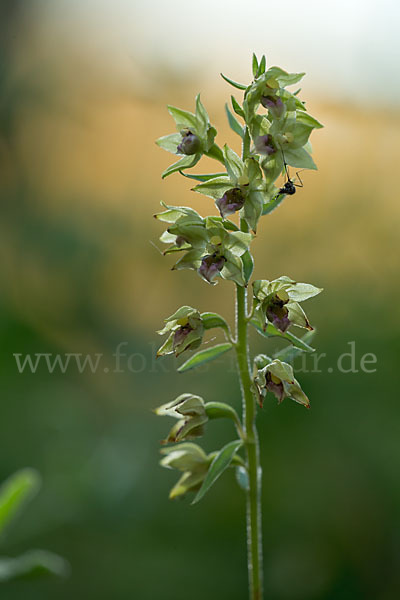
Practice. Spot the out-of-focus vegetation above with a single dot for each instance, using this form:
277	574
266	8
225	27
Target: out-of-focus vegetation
78	185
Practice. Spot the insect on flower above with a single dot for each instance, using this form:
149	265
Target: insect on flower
289	188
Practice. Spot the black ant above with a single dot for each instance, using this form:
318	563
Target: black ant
289	188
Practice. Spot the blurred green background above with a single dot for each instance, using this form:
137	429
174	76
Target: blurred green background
83	93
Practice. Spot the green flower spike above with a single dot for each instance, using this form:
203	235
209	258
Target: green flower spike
277	377
195	138
191	412
185	329
277	302
192	460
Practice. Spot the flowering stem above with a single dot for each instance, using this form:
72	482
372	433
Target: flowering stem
254	539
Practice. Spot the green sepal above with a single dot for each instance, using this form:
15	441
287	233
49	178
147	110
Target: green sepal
169	142
187	162
234	165
248	265
300	158
215	188
183	118
202	178
216	153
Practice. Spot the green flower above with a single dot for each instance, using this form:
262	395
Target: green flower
191	414
277	377
185	329
195	137
277	302
192	461
240	190
213	247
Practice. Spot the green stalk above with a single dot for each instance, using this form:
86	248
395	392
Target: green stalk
254	537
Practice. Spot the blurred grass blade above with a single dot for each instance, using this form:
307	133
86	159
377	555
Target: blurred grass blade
32	564
217	467
204	356
16	491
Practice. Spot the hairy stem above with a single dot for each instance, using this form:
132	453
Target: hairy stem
254	539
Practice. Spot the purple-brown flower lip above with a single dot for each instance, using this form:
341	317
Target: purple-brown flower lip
231	202
274	104
278	314
211	265
264	144
276	387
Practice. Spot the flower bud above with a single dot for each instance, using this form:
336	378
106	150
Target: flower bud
264	145
191	414
192	461
190	143
231	202
210	266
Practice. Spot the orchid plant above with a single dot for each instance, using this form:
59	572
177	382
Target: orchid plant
274	130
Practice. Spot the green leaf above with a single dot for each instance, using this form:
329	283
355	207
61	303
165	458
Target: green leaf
221	462
183	118
170	142
204	356
255	65
220	410
271	331
239	86
32	564
234	123
236	107
242	478
184	163
203	178
248	265
16	491
299	158
211	320
261	66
